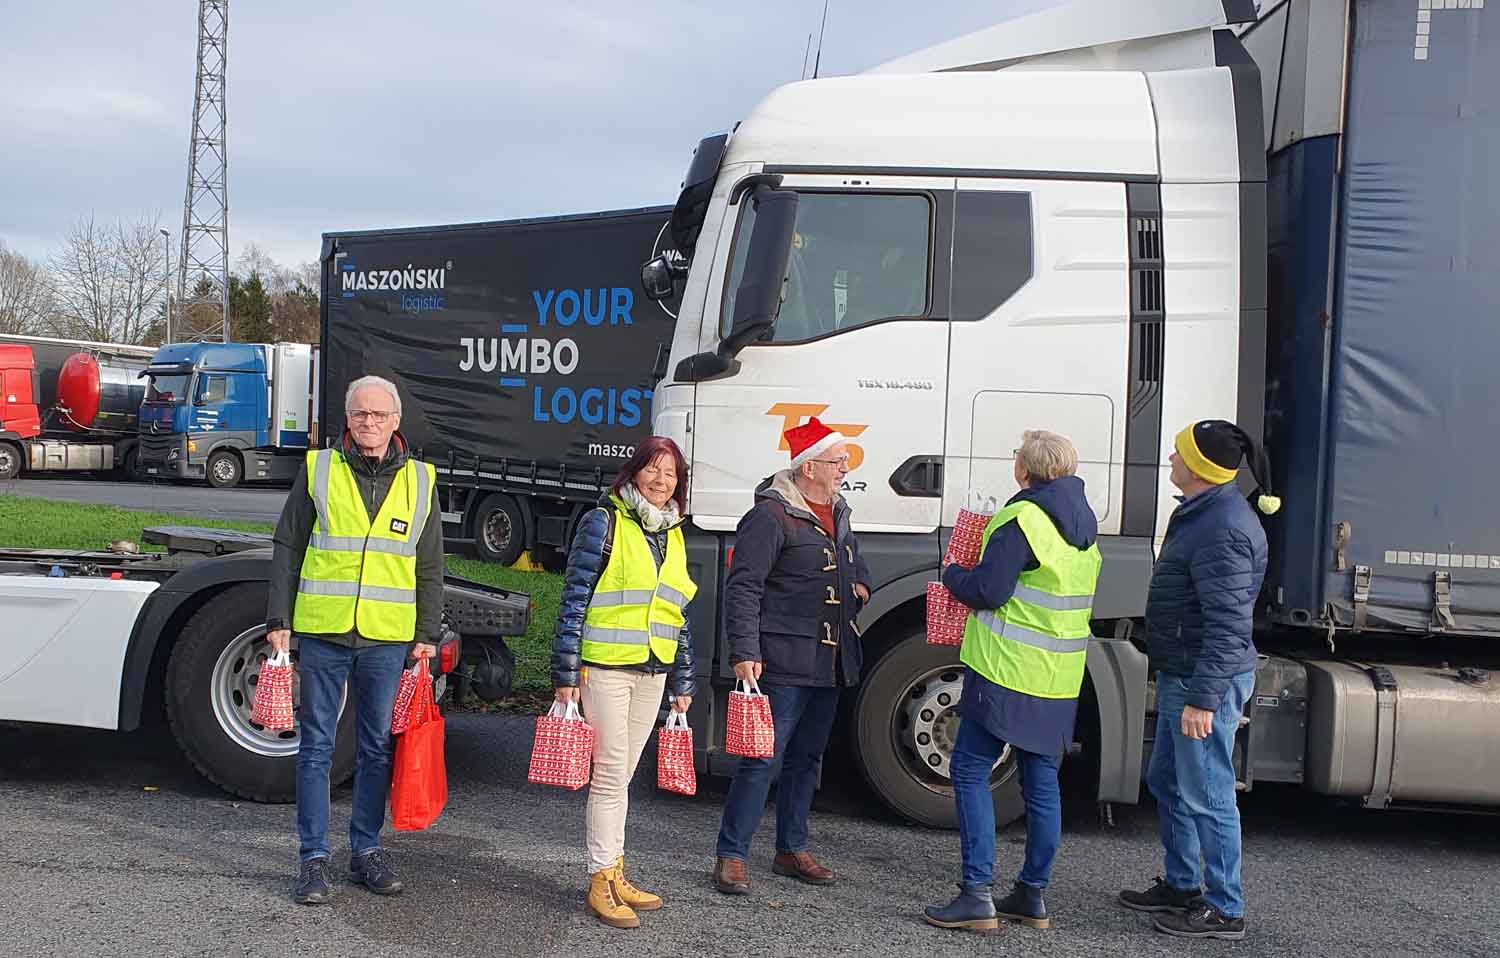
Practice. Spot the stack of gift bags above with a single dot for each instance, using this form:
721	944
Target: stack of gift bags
945	614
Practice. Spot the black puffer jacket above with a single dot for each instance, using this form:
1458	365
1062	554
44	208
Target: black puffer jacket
585	563
789	598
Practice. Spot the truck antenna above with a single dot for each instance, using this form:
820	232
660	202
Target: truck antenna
819	58
805	51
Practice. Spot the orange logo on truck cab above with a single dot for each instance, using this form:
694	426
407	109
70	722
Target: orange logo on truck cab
796	413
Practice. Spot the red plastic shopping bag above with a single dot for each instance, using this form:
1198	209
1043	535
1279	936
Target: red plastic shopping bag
750	731
674	756
945	616
419	779
563	750
405	693
273	693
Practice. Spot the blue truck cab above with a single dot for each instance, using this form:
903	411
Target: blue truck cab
227	412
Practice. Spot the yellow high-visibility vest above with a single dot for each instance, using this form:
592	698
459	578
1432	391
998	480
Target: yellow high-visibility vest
357	573
638	610
1038	640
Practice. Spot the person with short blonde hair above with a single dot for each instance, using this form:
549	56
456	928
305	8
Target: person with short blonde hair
1024	644
1045	456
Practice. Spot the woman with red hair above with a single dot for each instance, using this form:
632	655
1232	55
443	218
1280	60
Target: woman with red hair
621	634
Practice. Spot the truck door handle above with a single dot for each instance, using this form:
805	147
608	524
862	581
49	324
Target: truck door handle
919	477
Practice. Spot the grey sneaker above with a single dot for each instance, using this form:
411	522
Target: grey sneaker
374	871
312	883
1160	897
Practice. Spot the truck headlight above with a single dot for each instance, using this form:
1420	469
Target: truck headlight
192	445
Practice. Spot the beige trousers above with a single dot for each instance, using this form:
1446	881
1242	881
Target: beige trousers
621	705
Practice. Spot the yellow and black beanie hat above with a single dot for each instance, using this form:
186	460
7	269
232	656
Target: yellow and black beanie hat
1212	450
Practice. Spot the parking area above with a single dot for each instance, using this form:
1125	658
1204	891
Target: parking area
114	846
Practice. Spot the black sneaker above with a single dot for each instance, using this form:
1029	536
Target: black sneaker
1201	921
312	883
1159	897
373	871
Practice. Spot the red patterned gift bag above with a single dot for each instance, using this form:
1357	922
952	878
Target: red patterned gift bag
674	756
273	693
968	529
945	616
563	749
750	731
401	711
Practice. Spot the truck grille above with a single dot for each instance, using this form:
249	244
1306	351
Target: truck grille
155	448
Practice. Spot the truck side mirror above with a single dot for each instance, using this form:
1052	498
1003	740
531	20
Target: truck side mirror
657	279
762	287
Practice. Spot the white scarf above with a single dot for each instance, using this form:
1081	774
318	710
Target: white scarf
653	519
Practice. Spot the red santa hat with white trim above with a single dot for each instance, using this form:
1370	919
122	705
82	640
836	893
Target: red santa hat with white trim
810	440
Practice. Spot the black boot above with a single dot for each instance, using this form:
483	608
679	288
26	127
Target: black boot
974	909
1024	904
1160	897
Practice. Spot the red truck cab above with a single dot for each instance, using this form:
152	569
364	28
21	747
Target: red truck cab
19	389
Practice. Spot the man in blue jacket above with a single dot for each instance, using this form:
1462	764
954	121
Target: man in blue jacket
1199	620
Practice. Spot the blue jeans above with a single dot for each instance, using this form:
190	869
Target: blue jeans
974	755
1193	781
804	718
372	673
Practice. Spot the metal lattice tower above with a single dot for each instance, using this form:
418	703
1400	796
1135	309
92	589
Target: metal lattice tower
203	268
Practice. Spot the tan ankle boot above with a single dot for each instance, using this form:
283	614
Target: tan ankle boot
631	895
604	901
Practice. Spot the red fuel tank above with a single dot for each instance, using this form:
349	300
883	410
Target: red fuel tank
78	390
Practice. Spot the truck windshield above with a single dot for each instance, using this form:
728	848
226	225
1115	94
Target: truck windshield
857	258
167	388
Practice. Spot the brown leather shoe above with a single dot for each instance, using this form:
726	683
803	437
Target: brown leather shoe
730	877
803	867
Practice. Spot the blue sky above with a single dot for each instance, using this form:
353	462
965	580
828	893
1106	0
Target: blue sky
372	114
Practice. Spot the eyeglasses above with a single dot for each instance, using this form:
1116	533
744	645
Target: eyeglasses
842	461
369	415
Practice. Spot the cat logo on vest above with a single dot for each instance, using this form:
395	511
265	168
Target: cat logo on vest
794	414
399	527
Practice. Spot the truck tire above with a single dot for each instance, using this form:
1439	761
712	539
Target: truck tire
210	685
130	466
499	529
905	720
225	469
10	460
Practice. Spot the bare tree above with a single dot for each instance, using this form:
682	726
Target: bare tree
25	298
110	281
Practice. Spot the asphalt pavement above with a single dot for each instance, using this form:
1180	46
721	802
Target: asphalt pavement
249	503
113	845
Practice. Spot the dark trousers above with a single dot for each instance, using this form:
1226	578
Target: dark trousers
803	718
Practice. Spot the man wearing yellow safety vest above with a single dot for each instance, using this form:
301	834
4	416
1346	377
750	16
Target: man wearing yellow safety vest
357	576
1024	644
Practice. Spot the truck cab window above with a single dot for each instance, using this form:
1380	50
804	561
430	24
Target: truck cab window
991	251
167	389
857	258
212	389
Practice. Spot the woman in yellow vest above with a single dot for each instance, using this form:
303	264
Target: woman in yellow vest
1024	644
621	634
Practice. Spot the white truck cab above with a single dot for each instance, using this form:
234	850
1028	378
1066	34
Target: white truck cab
996	235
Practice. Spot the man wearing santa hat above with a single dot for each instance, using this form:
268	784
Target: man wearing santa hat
796	583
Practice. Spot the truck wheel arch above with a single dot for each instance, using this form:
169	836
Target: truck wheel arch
164	615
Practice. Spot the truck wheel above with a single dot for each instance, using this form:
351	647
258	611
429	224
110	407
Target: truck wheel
130	466
225	469
499	529
10	460
210	691
905	723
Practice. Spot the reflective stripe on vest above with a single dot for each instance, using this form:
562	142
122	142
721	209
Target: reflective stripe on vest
1037	642
360	574
638	610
